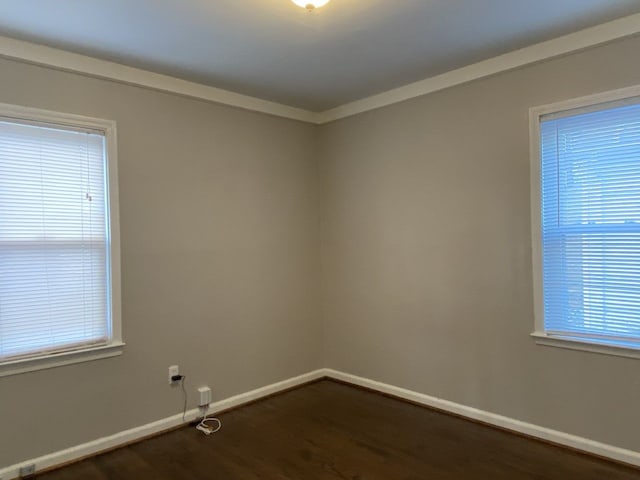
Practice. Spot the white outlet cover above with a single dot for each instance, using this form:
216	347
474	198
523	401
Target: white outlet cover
173	370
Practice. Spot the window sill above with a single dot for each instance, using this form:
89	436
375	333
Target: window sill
25	365
585	345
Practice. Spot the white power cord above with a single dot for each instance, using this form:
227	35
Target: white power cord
204	427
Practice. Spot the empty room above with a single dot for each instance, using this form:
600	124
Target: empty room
320	239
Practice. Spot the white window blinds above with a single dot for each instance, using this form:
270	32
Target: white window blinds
590	167
54	240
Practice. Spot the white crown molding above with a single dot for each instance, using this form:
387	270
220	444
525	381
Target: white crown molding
586	445
110	442
590	37
72	62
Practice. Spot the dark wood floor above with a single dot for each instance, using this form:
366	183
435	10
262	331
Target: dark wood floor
331	431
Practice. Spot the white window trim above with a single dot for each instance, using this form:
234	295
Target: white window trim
535	113
115	346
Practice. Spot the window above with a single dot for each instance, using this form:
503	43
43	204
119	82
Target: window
587	224
59	258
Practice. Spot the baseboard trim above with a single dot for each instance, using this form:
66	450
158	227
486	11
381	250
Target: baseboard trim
132	435
101	445
574	442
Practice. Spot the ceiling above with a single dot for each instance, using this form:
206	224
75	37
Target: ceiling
274	50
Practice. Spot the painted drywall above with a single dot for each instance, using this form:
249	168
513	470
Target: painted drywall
424	276
219	261
427	252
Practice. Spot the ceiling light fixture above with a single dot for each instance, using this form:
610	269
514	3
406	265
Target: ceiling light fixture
311	5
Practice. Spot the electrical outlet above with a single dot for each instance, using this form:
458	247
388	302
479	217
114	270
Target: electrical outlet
173	371
27	470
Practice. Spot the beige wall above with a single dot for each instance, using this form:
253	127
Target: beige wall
219	261
427	267
425	280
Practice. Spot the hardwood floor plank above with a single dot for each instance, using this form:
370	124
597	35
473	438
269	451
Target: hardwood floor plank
331	431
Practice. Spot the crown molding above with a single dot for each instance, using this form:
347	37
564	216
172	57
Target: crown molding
72	62
589	37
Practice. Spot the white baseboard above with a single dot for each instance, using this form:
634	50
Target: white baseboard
560	438
99	445
105	443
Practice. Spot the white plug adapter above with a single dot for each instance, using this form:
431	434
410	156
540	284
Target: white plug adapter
205	396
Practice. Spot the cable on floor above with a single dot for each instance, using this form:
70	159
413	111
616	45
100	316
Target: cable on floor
204	427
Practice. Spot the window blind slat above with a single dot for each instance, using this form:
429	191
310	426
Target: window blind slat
54	242
590	186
